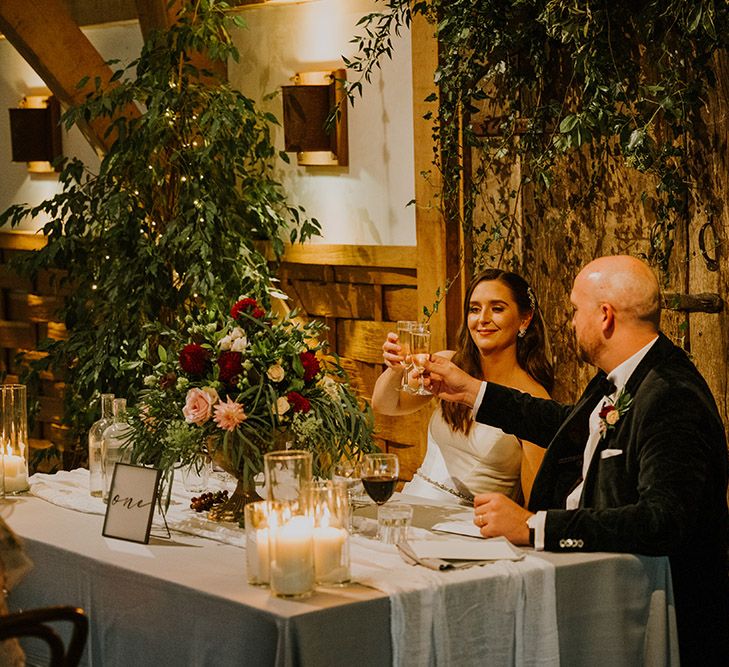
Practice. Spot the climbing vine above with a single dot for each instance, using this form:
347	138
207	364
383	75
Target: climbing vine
537	80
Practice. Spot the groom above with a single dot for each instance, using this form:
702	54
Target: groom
637	465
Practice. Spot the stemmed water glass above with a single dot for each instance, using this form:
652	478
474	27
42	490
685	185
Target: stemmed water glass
420	353
348	473
403	337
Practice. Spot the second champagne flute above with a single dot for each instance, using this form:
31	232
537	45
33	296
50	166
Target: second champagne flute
403	338
420	350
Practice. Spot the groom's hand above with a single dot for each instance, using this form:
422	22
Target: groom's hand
498	516
450	383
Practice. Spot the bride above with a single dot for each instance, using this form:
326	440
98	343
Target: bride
502	339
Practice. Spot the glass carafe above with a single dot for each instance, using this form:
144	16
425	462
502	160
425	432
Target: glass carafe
115	437
96	435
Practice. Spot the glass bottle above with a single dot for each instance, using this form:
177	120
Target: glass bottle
112	444
96	434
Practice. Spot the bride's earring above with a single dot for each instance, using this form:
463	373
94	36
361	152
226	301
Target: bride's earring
522	333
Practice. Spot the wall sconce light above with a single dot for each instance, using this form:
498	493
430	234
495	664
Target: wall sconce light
35	132
307	106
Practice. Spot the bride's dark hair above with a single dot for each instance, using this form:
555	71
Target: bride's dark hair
531	349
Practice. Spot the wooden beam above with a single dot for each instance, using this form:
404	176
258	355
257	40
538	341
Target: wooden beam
46	35
439	241
161	15
705	302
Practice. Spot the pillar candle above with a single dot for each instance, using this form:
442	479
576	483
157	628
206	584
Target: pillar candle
292	563
330	555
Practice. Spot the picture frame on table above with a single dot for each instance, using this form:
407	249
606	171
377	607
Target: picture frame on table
132	499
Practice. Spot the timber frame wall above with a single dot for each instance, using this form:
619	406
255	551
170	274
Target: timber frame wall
359	292
27	317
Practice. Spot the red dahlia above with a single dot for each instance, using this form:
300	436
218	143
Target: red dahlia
298	402
230	365
249	306
194	359
311	365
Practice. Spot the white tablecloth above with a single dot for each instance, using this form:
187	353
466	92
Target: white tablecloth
514	632
184	601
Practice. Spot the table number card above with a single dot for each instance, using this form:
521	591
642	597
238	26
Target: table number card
132	498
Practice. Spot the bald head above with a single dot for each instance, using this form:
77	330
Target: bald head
627	284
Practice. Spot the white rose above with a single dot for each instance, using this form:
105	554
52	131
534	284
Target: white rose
239	344
225	342
237	333
282	406
330	386
276	373
612	417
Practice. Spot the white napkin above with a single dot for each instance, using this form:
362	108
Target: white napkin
460	548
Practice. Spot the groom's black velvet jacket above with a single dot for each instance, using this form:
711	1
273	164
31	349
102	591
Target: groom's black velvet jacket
665	494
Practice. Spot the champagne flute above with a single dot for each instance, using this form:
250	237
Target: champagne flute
403	337
420	351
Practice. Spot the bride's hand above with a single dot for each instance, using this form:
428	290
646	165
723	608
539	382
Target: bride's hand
391	352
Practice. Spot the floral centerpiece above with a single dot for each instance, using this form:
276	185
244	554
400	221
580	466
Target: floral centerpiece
236	385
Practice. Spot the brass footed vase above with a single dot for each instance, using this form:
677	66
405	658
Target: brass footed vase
245	492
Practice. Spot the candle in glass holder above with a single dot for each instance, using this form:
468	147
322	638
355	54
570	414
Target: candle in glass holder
292	557
329	508
16	472
260	520
330	555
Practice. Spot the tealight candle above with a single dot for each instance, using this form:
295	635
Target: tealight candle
292	558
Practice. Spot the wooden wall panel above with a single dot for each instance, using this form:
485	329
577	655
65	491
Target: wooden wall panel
28	313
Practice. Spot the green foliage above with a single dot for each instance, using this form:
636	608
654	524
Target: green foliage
626	78
171	219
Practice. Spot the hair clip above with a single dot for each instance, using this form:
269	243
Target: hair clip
532	298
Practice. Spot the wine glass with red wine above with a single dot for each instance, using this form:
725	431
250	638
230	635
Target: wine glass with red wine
379	476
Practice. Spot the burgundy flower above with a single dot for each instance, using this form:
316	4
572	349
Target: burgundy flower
230	365
249	306
194	359
311	365
298	402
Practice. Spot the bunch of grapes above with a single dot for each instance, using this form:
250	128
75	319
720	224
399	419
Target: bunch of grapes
207	500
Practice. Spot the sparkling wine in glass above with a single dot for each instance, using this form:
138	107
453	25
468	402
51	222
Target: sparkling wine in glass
379	476
403	337
420	351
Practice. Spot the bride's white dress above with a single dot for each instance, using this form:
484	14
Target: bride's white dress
487	459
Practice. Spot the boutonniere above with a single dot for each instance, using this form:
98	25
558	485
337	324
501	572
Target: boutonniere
612	412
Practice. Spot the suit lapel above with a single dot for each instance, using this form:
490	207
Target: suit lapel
659	350
562	465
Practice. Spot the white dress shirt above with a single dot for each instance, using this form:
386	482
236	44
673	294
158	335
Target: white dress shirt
619	376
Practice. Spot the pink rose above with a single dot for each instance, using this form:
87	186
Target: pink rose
199	405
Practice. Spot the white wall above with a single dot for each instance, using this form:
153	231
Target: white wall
17	79
364	203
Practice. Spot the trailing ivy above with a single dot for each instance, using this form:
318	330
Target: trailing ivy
169	223
626	78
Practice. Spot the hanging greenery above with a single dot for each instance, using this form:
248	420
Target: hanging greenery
168	224
624	78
